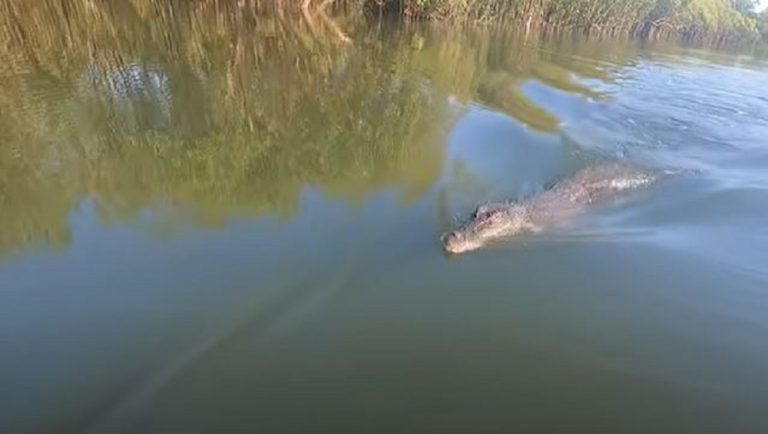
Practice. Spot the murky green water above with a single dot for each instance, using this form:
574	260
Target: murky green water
213	220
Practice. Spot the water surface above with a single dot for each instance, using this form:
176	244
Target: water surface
214	219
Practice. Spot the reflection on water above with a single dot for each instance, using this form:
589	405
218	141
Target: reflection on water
216	111
217	217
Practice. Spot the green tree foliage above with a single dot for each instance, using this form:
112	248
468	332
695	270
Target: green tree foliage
745	7
762	24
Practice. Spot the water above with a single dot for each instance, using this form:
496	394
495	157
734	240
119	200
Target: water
215	220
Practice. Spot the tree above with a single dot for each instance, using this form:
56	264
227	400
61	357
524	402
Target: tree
746	7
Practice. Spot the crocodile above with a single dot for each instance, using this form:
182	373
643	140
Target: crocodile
565	200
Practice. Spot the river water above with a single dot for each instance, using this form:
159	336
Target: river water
218	221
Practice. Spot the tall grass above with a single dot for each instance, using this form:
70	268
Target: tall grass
707	20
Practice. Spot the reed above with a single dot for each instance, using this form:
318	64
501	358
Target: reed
700	20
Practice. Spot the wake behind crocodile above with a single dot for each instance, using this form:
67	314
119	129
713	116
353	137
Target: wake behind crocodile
563	202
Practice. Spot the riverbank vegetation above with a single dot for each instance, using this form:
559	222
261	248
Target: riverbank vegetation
691	20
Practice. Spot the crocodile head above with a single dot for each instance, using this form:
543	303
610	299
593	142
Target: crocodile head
487	225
